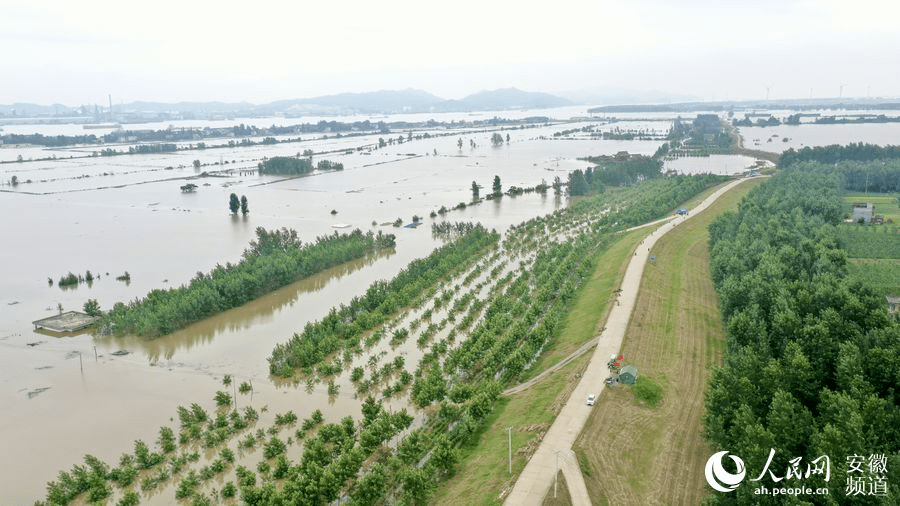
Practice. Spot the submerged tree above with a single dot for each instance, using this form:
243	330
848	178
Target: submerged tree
244	207
92	307
234	203
577	183
557	185
498	190
474	191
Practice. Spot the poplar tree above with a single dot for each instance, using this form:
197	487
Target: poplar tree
234	203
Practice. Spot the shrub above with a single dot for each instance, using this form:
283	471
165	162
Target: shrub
69	279
92	307
647	390
223	398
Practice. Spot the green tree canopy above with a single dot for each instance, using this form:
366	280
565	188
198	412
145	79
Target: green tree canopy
234	203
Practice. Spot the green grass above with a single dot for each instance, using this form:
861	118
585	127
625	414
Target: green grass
870	241
883	276
647	391
583	462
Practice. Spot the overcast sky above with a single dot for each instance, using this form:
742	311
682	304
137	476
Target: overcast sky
78	52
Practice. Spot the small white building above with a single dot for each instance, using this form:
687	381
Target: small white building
863	211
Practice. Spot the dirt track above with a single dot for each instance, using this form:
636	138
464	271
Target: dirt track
537	477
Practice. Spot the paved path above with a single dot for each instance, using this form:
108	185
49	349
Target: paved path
537	477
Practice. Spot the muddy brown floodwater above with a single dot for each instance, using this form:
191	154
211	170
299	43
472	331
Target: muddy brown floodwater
64	397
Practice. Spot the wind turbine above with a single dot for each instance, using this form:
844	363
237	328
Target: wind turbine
767	91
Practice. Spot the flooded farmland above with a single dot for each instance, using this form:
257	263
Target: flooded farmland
73	212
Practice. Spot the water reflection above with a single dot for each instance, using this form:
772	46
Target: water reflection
240	318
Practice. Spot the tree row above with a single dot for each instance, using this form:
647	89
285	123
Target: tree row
263	268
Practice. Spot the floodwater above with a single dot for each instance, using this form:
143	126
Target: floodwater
67	396
780	138
712	164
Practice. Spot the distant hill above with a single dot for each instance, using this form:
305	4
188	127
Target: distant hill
376	102
503	99
411	100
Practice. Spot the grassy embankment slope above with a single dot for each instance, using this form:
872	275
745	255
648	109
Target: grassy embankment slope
483	470
632	451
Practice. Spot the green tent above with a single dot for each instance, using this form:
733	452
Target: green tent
628	374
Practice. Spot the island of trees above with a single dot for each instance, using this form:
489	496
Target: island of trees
295	166
275	259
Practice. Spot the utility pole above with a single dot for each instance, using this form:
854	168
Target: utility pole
509	438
